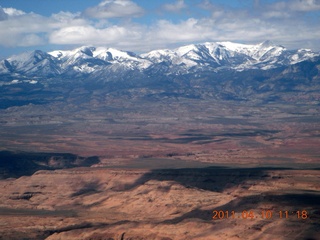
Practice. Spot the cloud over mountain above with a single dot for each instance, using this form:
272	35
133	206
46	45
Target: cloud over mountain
114	9
126	25
175	7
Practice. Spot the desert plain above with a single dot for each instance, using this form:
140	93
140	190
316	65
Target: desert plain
182	169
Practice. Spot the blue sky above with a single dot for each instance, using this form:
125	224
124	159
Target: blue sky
144	25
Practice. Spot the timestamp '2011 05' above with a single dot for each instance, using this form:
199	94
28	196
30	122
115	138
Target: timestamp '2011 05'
263	214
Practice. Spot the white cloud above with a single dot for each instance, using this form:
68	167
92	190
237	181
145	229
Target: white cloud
3	14
305	5
15	29
87	35
31	40
276	14
65	19
243	26
13	12
186	31
175	7
65	16
290	8
114	9
282	23
29	29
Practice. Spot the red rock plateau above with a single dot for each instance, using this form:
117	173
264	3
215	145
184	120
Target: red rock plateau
98	203
160	172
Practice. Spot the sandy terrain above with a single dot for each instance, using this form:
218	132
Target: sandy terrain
159	171
101	203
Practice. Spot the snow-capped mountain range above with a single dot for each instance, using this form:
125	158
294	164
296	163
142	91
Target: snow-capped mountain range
209	56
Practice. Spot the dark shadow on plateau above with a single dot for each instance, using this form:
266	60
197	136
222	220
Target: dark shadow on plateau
202	138
285	201
215	179
218	179
282	202
17	164
308	228
87	188
36	212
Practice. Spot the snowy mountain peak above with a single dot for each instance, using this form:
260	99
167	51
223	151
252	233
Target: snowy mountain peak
236	47
208	56
157	55
267	44
110	54
85	51
28	56
30	63
186	49
128	60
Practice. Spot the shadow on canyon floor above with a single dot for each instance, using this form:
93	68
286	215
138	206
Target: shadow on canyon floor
308	228
17	164
283	202
215	178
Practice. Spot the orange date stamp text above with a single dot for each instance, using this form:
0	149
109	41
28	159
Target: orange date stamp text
262	214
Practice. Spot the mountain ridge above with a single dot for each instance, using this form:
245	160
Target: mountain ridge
213	56
263	73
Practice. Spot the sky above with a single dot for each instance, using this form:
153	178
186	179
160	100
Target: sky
144	25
